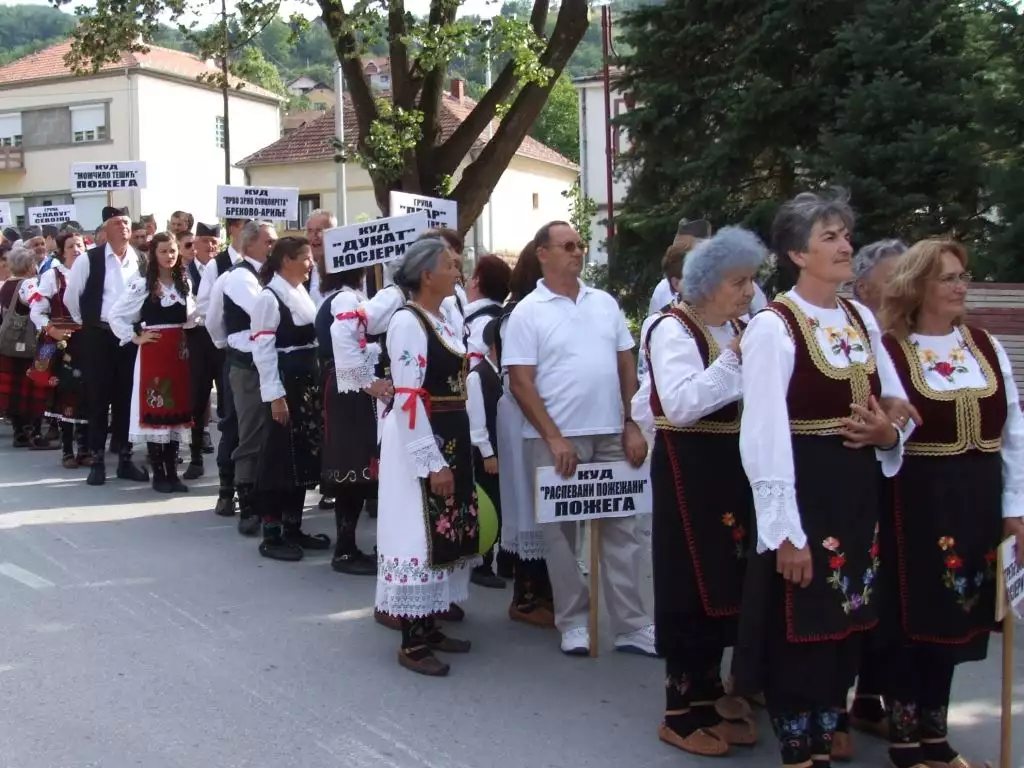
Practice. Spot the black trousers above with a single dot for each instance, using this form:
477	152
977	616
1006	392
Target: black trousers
228	420
205	366
109	370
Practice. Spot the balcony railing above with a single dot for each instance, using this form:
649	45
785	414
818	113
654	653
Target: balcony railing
12	159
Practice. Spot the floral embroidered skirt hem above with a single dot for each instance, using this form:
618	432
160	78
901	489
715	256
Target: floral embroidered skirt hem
807	640
701	540
940	532
349	449
520	533
406	584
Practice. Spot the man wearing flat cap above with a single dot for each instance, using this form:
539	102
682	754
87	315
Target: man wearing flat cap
33	238
97	280
206	362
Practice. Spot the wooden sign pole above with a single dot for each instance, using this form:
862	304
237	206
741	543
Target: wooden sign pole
1004	613
595	583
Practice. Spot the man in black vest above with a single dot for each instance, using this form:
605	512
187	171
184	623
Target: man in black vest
484	389
230	325
94	285
227	423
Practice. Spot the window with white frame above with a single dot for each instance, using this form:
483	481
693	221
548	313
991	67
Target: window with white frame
307	204
218	131
10	129
88	123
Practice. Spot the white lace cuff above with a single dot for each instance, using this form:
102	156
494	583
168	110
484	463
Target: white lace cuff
1013	502
778	518
354	379
426	456
892	459
725	374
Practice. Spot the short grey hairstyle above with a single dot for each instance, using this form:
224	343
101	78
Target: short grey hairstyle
422	256
705	266
21	260
868	257
791	230
323	212
251	232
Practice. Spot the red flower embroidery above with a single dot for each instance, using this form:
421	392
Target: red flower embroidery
421	361
874	548
953	562
836	562
944	369
415	561
831	543
738	533
990	557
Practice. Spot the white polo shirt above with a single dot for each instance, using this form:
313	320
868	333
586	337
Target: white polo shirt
574	346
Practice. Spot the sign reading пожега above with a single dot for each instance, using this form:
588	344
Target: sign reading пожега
603	489
266	203
373	242
108	176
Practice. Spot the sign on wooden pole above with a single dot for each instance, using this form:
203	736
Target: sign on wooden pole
1009	602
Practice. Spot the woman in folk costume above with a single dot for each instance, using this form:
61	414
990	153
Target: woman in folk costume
284	352
22	399
532	602
960	491
427	529
701	528
351	389
59	356
152	313
815	443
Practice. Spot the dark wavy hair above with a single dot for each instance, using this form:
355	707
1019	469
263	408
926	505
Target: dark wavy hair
526	273
285	248
492	275
153	266
62	240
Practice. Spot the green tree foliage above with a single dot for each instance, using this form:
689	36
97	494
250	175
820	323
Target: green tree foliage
914	105
398	138
251	65
558	125
25	29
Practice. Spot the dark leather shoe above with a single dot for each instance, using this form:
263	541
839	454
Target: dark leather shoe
193	471
277	548
483	576
225	507
97	474
126	470
318	541
354	563
249	526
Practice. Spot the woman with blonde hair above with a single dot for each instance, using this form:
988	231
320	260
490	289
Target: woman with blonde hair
960	489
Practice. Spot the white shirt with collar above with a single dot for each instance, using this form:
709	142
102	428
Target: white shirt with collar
474	329
210	274
242	287
116	277
574	346
266	317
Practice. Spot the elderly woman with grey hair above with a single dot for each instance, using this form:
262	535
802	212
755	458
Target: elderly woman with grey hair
22	400
427	530
700	529
812	437
872	267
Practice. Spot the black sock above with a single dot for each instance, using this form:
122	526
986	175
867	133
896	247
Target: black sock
67	438
345	520
843	722
679	714
906	757
939	751
793	731
867	707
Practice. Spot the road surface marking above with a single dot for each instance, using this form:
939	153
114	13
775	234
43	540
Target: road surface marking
27	578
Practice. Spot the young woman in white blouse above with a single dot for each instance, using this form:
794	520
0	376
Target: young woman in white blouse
960	491
812	437
701	528
284	352
427	530
152	313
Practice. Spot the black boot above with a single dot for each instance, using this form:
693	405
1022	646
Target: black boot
226	494
347	557
195	467
207	444
156	460
97	470
274	544
171	468
292	503
249	519
126	470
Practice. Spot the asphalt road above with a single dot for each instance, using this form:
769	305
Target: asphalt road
139	630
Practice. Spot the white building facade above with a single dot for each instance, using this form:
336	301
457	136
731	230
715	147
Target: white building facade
148	107
594	133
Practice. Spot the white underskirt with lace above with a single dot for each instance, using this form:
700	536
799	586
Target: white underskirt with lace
520	534
406	585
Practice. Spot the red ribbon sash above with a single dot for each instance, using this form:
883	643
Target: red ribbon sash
409	406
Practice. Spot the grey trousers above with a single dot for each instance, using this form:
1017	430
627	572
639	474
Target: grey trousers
252	422
619	554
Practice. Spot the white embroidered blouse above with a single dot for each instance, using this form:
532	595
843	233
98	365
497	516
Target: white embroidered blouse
127	310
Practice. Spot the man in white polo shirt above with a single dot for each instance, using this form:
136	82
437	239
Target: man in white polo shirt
568	353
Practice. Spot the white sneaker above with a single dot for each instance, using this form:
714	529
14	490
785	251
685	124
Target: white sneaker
640	642
576	641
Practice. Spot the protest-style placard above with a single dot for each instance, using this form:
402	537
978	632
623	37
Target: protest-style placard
1011	590
6	218
266	203
373	242
99	177
440	212
51	214
594	491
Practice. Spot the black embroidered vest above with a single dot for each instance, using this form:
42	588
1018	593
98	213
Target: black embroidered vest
237	319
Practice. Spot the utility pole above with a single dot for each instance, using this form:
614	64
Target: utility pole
224	91
341	190
609	129
490	135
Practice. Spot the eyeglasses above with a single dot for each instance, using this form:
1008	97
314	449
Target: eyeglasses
948	281
570	246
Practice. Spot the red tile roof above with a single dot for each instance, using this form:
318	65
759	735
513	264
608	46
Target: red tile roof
49	63
311	142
